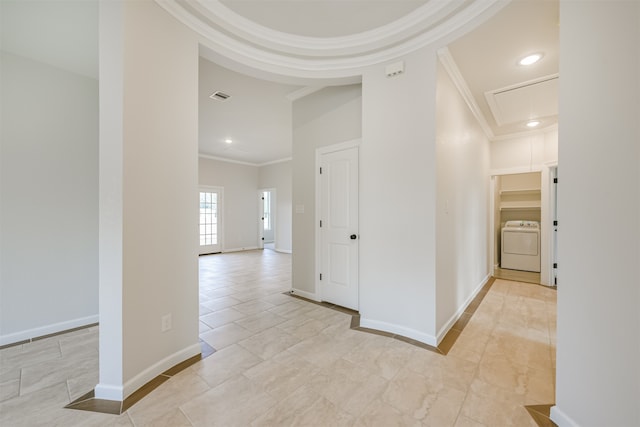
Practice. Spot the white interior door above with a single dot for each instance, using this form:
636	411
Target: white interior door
261	219
268	215
339	227
210	220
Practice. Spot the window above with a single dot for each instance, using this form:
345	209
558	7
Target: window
266	198
208	218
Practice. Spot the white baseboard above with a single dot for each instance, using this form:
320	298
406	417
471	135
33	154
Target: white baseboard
453	319
284	251
156	369
108	392
248	248
399	330
304	294
47	330
121	392
562	419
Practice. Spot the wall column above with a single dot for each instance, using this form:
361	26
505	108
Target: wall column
598	375
148	195
398	193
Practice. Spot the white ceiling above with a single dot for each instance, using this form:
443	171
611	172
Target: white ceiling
63	33
486	59
329	18
257	116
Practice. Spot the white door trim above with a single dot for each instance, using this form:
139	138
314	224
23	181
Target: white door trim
220	191
546	272
260	222
318	213
492	226
272	190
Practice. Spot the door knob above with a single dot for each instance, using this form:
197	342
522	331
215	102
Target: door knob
353	237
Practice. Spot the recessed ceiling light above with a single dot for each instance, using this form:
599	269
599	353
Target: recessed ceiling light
228	141
530	59
533	123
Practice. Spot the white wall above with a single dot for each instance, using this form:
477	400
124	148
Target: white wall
326	117
598	374
278	176
240	202
462	204
49	206
397	199
524	153
148	185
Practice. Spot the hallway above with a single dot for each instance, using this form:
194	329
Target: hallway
283	361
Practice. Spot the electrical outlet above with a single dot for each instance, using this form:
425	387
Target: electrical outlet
166	323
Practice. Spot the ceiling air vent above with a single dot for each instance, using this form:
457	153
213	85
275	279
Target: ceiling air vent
220	96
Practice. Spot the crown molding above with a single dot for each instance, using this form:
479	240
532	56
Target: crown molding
526	133
245	42
452	69
421	19
301	93
274	162
222	159
240	162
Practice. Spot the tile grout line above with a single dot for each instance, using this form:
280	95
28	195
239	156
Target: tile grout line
43	337
459	327
183	413
476	369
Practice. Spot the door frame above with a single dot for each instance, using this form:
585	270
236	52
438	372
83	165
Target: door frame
547	212
320	151
551	171
220	191
261	212
546	219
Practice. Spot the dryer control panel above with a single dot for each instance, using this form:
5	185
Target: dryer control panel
522	224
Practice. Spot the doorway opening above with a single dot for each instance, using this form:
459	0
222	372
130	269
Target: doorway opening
526	197
517	248
267	215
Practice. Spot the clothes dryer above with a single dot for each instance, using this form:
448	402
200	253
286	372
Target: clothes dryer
521	246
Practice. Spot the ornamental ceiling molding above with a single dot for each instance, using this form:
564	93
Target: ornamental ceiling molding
240	39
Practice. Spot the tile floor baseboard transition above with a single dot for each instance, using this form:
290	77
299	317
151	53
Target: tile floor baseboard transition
541	415
442	348
42	337
89	402
283	361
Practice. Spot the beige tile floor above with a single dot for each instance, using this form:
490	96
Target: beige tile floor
516	275
282	361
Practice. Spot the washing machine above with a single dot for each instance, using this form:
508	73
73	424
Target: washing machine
521	246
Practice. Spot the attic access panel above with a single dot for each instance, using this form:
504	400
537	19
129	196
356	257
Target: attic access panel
524	101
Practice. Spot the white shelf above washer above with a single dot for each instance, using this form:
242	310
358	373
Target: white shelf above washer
520	205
